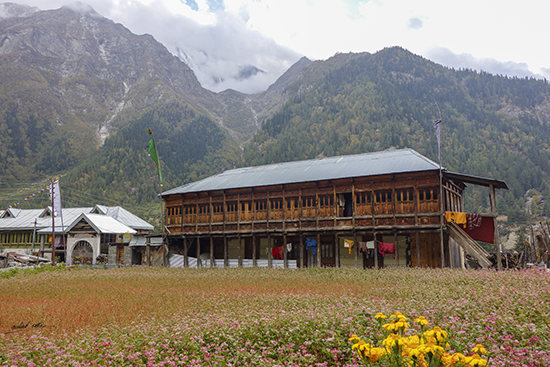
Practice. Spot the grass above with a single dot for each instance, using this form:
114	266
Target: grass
158	316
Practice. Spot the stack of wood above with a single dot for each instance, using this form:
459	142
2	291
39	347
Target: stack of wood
510	260
14	259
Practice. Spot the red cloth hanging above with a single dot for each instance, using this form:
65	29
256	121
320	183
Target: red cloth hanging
277	253
485	232
386	248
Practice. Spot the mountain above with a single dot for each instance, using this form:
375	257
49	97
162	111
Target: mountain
493	126
77	92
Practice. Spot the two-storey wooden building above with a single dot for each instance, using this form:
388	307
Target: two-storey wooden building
368	210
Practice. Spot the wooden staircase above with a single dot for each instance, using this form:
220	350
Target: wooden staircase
469	245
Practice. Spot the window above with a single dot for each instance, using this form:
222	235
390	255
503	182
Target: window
261	205
327	200
383	197
363	198
276	204
404	195
427	195
190	209
204	209
244	206
289	203
308	202
231	207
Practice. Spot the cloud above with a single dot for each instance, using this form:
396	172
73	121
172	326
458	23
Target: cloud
415	23
218	38
217	44
446	57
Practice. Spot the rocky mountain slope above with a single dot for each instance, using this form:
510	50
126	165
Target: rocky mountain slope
70	78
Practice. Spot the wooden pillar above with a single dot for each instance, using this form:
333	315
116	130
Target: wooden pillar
185	249
356	251
42	238
337	250
148	252
441	218
240	252
269	252
285	254
254	253
211	251
198	252
395	241
225	255
375	251
301	251
318	250
419	263
493	200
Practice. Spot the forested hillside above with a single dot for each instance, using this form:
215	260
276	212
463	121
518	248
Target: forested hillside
493	126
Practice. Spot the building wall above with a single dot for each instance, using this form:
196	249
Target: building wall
92	238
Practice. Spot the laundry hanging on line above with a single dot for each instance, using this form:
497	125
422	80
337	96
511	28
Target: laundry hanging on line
349	245
386	248
311	243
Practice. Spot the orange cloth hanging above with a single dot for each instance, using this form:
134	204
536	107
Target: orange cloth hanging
457	217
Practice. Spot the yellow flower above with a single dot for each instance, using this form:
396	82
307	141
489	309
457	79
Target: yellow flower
479	349
374	354
436	336
391	341
380	316
422	321
396	315
476	360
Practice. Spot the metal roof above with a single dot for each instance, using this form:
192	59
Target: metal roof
476	180
358	165
103	224
23	219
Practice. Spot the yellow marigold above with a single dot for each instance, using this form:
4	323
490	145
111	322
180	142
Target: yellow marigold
396	315
396	325
479	349
373	354
421	321
380	316
434	349
354	338
412	341
436	336
476	360
391	341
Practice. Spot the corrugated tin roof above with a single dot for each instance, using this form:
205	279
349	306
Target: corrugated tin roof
25	219
105	224
358	165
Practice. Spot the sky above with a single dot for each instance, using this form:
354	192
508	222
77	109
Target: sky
220	39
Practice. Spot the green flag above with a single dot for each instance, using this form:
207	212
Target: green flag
152	149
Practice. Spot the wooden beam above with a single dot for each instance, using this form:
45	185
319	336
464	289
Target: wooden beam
419	262
493	199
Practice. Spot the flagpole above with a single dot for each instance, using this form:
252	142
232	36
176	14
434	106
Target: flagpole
162	219
53	223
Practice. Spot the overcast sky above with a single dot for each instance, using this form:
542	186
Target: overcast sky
218	38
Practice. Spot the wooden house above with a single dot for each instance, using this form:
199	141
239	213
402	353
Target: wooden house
337	211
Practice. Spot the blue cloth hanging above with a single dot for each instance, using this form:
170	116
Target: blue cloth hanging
311	243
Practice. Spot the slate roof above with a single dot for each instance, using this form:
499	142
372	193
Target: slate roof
357	165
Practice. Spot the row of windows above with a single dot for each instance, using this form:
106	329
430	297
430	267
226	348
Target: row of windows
17	237
309	202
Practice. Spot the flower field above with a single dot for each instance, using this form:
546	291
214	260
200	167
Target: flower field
262	317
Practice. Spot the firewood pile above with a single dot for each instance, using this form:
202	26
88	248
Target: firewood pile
102	259
14	259
510	260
